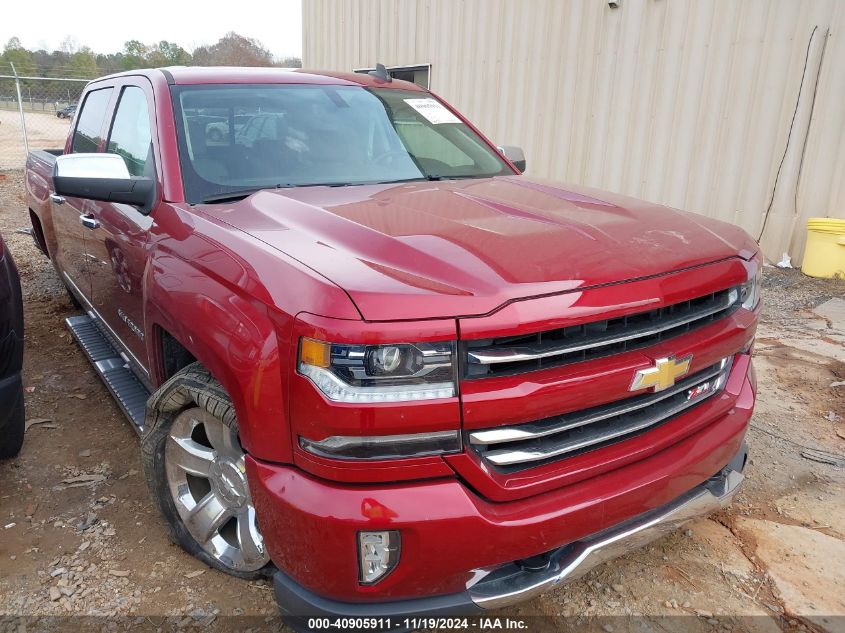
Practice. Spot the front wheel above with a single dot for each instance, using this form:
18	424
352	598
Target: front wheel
195	469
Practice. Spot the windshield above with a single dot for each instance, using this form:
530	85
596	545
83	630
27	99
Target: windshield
234	139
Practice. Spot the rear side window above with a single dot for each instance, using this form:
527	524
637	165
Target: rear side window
130	132
86	137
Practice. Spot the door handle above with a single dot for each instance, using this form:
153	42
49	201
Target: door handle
89	222
56	199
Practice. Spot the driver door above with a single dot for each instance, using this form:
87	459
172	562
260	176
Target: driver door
72	256
117	239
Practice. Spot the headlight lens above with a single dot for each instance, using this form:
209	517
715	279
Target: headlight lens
750	292
379	373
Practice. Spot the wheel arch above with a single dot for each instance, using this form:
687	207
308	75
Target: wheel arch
193	398
38	233
239	345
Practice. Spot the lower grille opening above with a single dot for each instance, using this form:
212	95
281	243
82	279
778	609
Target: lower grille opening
514	448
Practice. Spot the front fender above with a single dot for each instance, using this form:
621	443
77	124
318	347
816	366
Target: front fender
229	299
235	338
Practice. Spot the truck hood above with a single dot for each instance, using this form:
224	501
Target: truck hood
459	248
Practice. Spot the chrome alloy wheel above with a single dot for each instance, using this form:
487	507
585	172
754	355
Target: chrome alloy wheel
206	474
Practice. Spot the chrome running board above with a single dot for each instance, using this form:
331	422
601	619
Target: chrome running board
128	391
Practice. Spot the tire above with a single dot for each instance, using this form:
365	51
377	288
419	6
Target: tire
71	297
11	435
199	484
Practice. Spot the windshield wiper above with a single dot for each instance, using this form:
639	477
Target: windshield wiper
426	178
240	194
401	180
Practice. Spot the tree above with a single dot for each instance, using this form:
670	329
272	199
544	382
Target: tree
168	54
111	63
16	54
233	50
134	55
83	63
69	45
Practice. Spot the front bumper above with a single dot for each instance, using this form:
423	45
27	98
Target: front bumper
461	550
513	583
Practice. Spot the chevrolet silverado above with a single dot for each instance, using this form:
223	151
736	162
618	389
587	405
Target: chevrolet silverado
367	356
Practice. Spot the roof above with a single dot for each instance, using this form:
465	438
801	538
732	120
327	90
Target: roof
192	75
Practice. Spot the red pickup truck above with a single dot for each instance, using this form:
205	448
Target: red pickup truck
368	356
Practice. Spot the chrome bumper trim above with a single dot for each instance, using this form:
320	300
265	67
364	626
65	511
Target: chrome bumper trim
575	559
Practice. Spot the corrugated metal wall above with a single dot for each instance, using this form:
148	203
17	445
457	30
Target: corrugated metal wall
689	103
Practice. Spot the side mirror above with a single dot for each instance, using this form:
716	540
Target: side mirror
102	177
514	154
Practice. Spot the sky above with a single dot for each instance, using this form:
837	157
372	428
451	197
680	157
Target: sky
104	26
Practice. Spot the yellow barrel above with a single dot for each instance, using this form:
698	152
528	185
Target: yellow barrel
825	252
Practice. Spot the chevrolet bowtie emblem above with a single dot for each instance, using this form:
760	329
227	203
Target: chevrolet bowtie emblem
663	375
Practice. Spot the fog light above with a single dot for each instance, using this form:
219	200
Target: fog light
378	553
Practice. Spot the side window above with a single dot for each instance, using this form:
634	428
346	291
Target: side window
130	135
86	137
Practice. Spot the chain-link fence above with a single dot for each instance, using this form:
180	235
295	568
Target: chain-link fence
35	113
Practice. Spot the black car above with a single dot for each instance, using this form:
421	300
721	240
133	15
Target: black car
11	356
67	113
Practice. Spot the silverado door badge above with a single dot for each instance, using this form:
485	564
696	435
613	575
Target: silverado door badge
663	375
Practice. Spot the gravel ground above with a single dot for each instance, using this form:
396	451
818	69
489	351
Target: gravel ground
79	535
44	129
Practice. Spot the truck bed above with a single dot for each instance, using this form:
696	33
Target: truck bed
39	185
46	155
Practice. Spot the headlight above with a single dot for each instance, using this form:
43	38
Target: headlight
750	293
379	373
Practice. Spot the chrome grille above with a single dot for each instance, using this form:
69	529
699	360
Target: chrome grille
586	341
515	447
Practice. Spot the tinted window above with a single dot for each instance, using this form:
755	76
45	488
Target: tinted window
130	133
86	137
